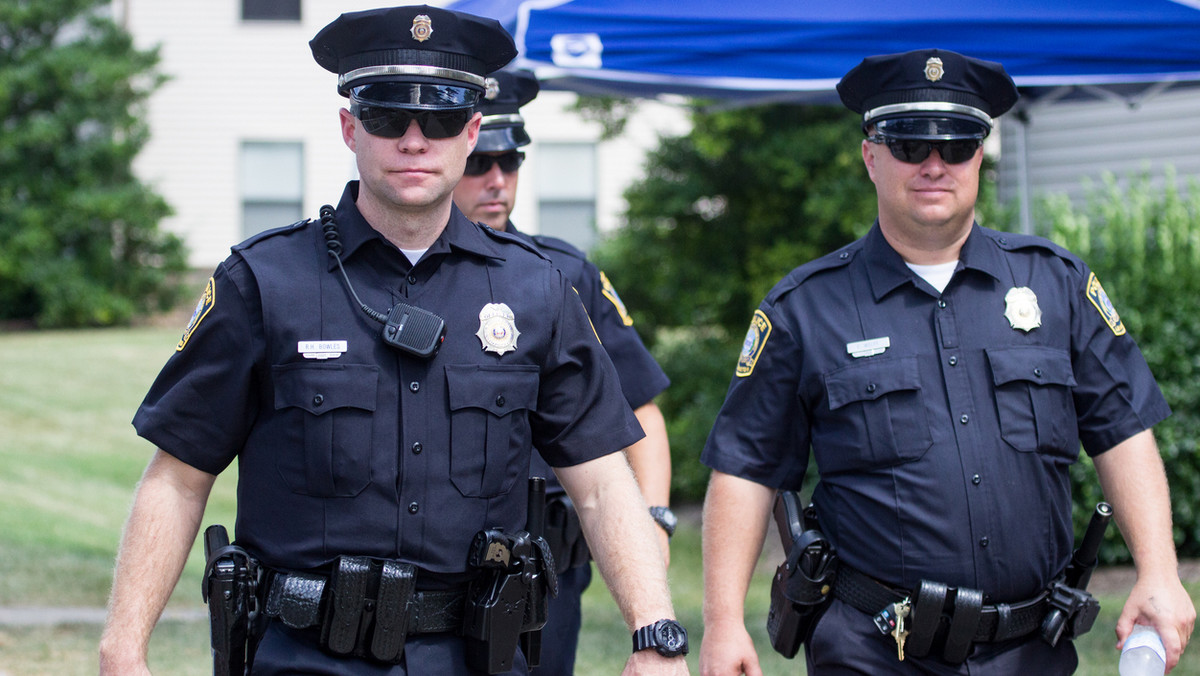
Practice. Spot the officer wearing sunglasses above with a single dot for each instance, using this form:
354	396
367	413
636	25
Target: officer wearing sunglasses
943	376
487	193
382	375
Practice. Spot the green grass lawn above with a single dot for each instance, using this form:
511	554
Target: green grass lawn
71	461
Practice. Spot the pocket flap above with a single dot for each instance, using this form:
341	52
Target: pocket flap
326	387
1034	364
497	389
871	380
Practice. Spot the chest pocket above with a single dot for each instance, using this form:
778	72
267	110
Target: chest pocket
877	417
489	426
326	410
1033	399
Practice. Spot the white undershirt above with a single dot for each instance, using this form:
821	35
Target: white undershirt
937	275
414	255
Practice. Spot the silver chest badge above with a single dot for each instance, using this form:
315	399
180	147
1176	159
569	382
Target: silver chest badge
497	328
1021	309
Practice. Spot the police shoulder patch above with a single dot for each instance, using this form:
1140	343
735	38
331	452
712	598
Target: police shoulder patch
610	293
1095	293
207	301
752	347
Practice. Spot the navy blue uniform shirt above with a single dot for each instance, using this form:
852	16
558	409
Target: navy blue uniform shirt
348	446
641	377
943	445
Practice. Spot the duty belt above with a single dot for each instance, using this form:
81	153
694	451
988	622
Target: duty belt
366	607
992	622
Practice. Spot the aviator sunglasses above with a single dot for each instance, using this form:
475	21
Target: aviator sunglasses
479	164
394	122
914	151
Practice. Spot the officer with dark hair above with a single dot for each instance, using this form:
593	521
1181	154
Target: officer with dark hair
487	193
943	376
381	375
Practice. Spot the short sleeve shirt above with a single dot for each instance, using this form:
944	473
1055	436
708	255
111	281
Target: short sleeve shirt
942	425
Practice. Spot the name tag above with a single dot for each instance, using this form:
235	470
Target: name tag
321	349
867	348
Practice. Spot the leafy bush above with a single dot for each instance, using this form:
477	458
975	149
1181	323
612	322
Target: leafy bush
1143	242
81	245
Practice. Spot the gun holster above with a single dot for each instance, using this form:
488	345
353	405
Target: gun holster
230	587
802	586
564	533
1072	613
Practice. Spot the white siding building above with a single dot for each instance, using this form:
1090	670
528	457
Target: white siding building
245	135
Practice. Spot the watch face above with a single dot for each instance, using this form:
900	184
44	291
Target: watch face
671	636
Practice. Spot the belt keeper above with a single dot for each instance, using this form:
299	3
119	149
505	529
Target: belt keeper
968	607
926	617
1004	626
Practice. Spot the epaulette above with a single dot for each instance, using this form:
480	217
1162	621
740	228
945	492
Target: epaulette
509	238
830	261
1013	241
265	234
561	245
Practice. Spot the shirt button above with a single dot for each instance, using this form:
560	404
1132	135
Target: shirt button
416	448
414	386
976	479
318	400
1037	372
941	303
954	361
500	400
412	279
844	255
871	387
964	419
983	541
413	508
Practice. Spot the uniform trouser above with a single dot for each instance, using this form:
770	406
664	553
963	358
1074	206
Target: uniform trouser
290	651
560	636
846	642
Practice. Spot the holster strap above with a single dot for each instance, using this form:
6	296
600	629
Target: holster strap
999	622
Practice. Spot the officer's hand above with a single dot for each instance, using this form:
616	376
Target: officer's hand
644	662
1165	605
111	665
728	650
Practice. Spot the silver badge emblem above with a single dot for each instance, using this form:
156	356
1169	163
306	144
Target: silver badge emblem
933	69
422	27
1021	309
497	328
492	88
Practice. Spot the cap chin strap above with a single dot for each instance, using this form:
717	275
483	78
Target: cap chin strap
927	107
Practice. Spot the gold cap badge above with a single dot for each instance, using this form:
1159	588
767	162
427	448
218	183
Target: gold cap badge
497	328
933	69
1021	309
422	27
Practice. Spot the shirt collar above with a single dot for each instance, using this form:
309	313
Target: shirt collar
886	269
459	234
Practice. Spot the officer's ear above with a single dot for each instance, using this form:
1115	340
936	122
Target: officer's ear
473	131
349	125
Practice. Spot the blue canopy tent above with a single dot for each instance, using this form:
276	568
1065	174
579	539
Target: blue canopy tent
797	50
761	51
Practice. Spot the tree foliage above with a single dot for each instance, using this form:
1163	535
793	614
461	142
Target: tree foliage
80	232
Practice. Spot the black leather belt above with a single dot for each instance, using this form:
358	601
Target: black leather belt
295	598
997	622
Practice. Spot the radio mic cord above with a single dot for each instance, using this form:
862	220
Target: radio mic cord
334	246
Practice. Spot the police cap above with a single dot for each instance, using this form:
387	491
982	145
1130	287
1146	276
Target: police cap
928	94
503	127
413	56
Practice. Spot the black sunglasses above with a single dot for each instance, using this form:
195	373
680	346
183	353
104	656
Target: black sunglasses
394	122
914	151
479	164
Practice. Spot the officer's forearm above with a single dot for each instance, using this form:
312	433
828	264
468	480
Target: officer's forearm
162	526
621	536
1134	482
736	512
650	458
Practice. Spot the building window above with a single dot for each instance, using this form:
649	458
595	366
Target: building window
566	188
272	180
270	10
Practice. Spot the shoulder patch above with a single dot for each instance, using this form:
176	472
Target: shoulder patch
207	301
752	347
1095	293
610	293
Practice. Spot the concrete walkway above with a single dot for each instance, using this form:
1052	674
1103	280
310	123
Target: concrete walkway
44	616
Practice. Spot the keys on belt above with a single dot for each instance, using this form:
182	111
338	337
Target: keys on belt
891	620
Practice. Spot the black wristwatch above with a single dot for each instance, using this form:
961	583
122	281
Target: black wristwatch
667	637
664	517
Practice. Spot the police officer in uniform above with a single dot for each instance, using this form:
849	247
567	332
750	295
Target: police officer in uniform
944	376
366	438
487	193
